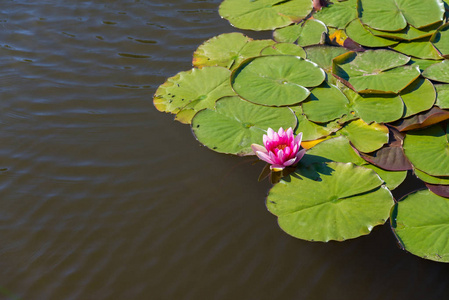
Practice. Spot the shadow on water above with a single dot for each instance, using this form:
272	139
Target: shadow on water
103	197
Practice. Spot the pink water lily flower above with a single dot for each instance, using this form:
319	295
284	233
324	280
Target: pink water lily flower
281	149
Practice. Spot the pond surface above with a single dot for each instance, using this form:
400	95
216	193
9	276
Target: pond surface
103	197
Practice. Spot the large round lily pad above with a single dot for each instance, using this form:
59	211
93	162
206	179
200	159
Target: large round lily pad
421	48
309	32
337	201
235	124
264	14
276	80
428	150
228	50
375	71
421	224
366	137
394	15
190	91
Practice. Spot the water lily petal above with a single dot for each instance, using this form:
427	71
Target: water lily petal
259	148
300	154
270	133
298	139
263	156
290	162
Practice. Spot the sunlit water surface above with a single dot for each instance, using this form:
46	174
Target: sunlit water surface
103	197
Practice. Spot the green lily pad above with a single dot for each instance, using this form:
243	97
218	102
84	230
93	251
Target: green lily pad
338	14
418	96
422	48
284	49
323	55
442	95
393	15
276	80
374	108
392	178
365	137
441	40
438	72
408	33
228	50
310	130
310	32
337	202
325	103
193	90
264	14
375	71
360	34
235	124
421	224
422	63
428	150
337	149
431	179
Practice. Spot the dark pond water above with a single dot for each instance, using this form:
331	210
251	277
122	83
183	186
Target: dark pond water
103	197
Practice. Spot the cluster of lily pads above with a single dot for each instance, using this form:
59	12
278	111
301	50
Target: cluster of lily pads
365	82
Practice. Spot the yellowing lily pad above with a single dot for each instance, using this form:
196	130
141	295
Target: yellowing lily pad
228	50
190	91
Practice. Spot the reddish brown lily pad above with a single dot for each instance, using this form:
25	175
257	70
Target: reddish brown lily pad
422	120
439	189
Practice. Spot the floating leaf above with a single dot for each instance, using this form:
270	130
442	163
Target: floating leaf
393	15
193	90
422	48
375	71
431	179
337	202
366	138
235	124
438	72
440	190
428	150
358	33
422	63
322	55
276	80
408	33
284	49
264	14
338	14
422	120
392	178
441	40
325	103
228	50
421	224
310	130
336	149
309	32
418	96
442	95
